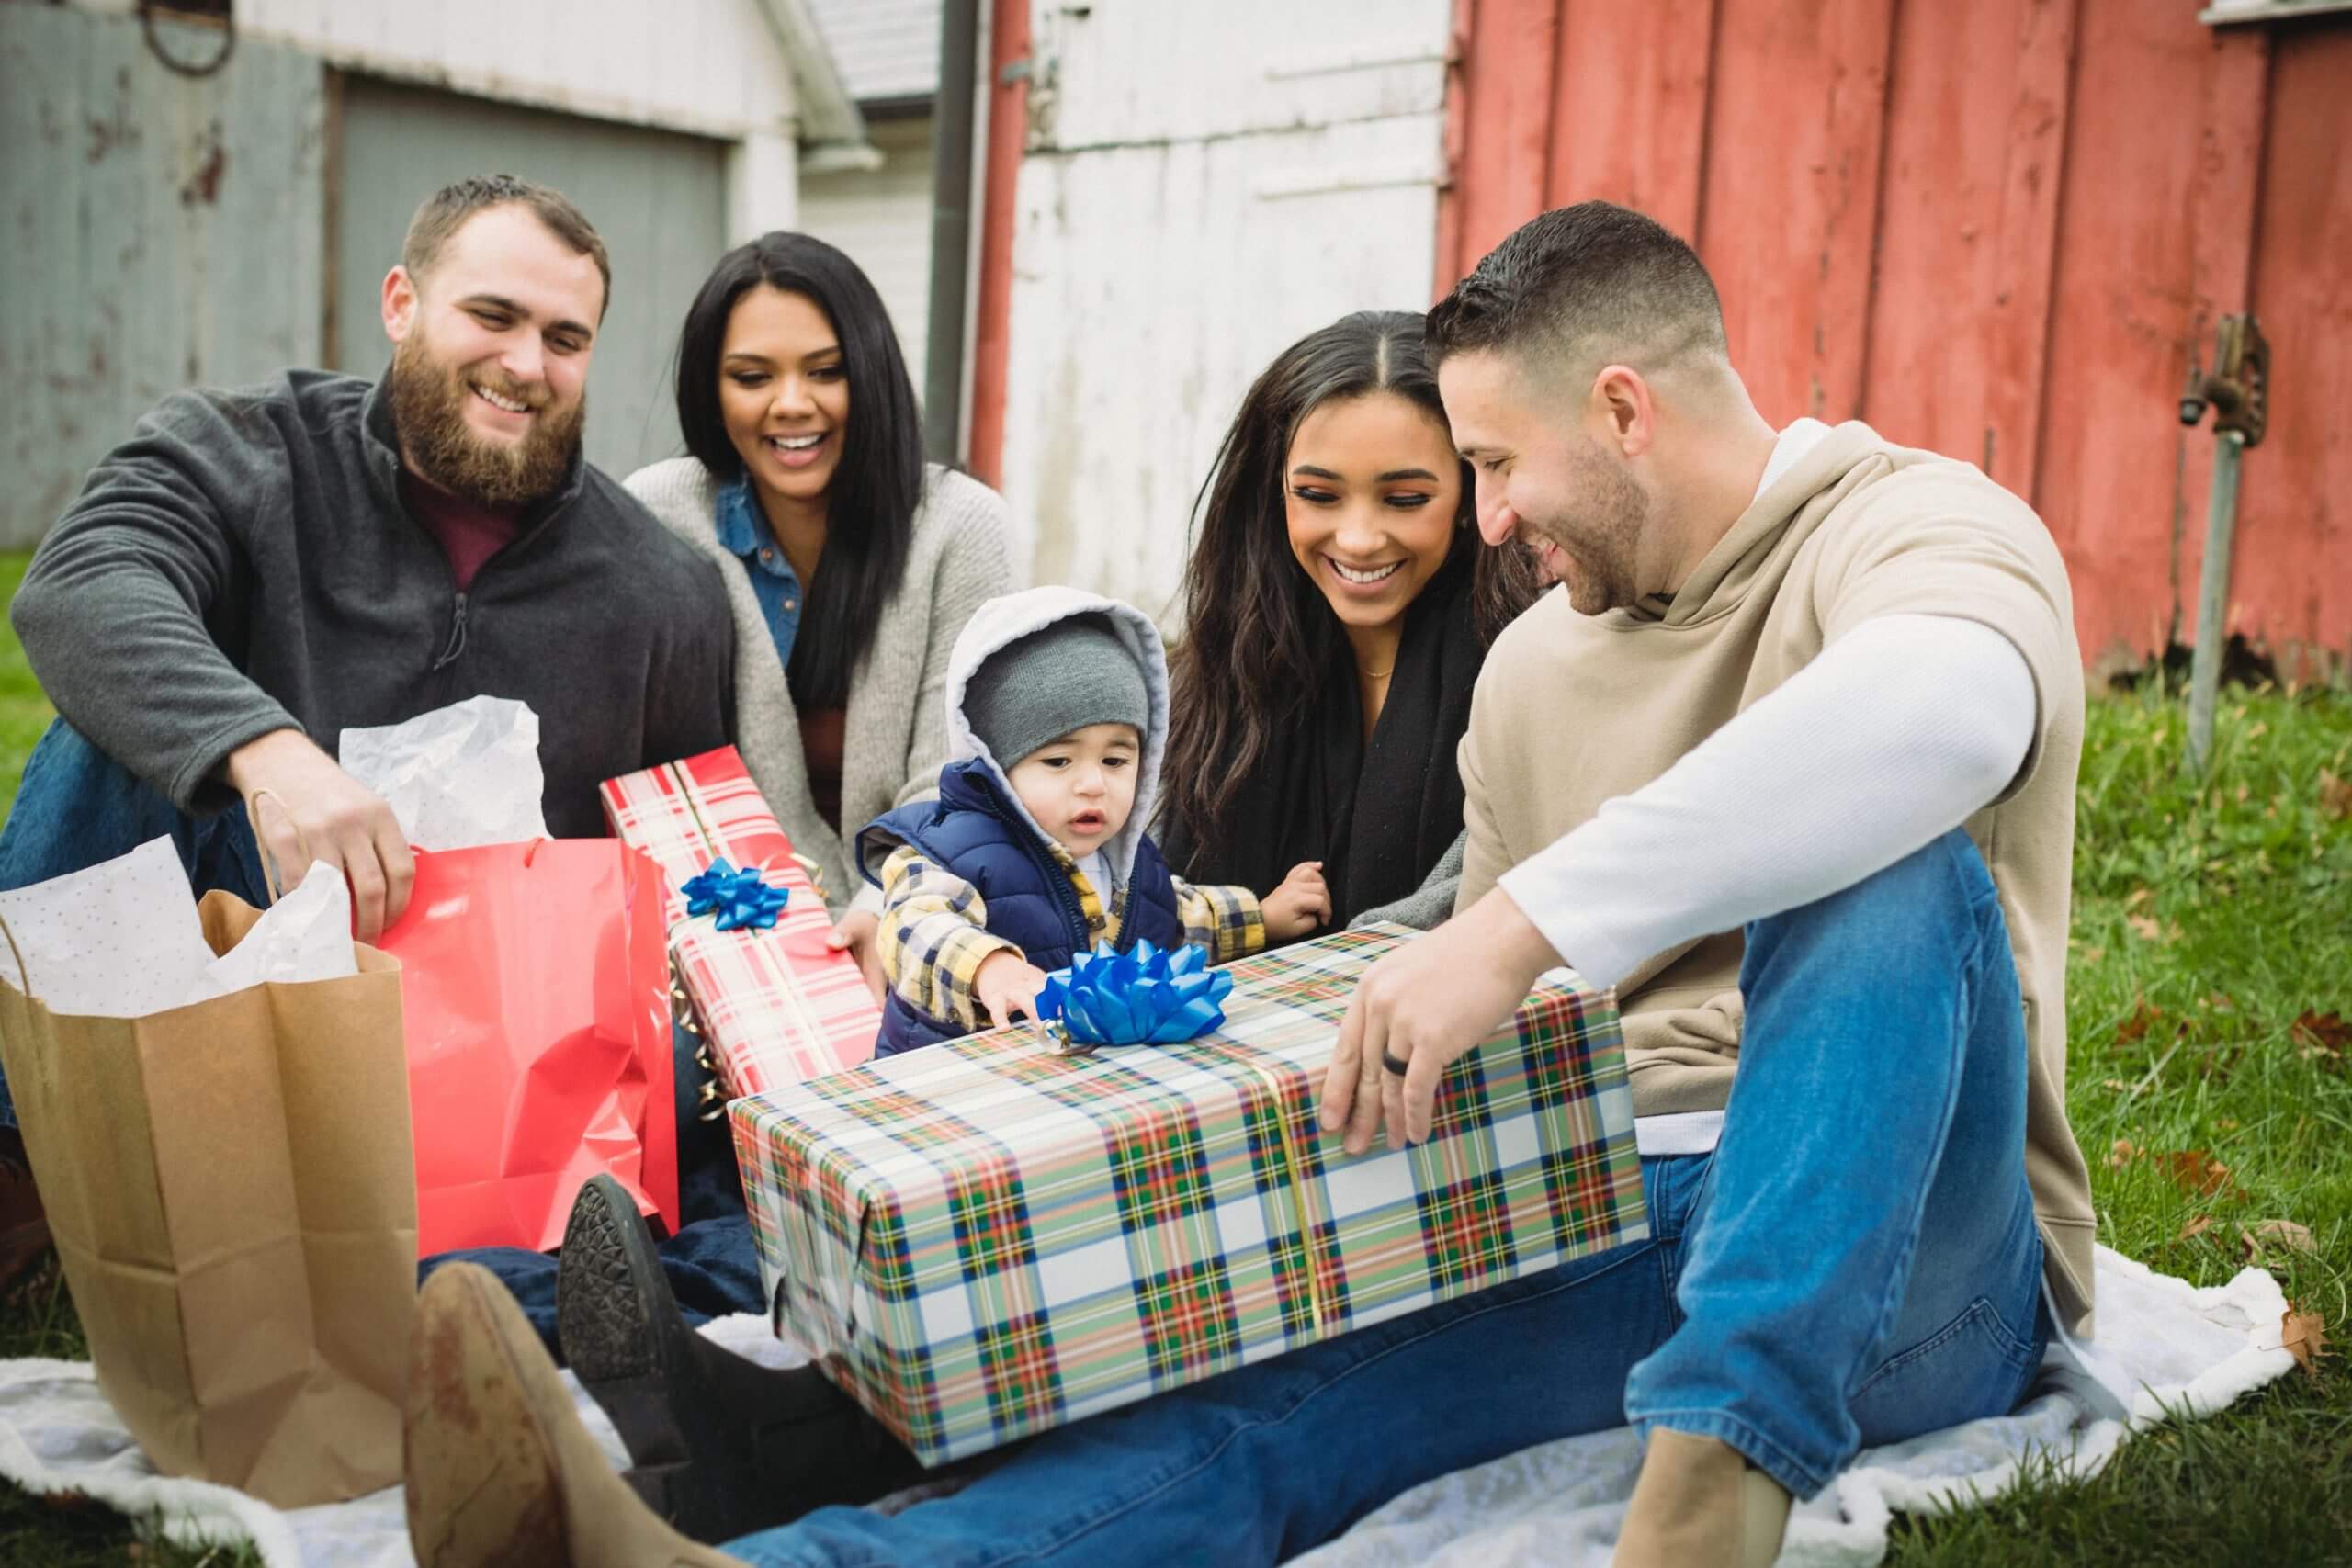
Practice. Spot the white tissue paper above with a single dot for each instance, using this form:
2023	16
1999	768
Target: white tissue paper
457	777
306	935
122	939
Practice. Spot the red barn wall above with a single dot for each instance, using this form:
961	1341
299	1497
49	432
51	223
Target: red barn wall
1998	230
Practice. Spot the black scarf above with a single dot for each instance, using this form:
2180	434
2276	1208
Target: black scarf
1377	817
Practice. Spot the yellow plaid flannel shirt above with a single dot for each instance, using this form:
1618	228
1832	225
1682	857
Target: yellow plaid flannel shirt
935	935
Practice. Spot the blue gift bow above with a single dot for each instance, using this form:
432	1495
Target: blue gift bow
741	899
1149	997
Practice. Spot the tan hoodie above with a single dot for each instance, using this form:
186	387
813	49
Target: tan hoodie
1574	710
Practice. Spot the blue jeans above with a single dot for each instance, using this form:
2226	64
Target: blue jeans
77	806
1855	1263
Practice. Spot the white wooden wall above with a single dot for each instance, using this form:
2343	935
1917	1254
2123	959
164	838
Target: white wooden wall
886	49
1203	183
713	66
162	231
882	218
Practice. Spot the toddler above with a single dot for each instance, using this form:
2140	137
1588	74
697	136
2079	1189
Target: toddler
1034	851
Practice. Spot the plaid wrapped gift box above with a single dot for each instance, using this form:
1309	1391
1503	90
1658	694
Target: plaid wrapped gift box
773	1007
982	1239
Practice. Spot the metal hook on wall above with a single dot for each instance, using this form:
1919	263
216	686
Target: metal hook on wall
225	19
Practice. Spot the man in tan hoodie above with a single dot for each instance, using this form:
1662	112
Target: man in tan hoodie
1790	761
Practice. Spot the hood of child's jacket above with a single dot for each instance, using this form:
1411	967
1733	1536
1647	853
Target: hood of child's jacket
1012	616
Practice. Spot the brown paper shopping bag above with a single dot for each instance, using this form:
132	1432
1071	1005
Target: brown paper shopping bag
231	1192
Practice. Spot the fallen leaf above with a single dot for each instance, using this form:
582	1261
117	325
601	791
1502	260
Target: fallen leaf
2195	1172
2220	1002
2121	1155
2229	1124
2093	954
2335	795
2327	1032
2195	1227
2118	1085
2285	1233
2139	897
2261	727
2131	1028
2320	1040
2304	1335
2146	927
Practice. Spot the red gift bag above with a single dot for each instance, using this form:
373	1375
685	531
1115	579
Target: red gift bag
535	984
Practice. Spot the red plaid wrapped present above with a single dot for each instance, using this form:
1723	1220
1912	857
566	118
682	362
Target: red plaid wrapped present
773	1007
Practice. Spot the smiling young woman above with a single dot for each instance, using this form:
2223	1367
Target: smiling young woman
1338	608
851	565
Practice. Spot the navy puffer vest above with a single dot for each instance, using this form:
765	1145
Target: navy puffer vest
975	830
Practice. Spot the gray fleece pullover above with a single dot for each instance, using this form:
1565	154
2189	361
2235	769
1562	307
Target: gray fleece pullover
243	563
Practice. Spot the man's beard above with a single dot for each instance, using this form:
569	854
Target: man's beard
429	415
1604	549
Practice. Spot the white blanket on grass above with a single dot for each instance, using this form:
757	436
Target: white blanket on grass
2186	1351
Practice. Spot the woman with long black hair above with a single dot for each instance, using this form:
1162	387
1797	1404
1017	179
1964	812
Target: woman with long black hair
850	564
1338	608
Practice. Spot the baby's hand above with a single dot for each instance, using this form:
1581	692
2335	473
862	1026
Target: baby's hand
1007	983
1299	905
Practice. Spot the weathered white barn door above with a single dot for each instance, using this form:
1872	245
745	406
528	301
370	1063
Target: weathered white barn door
1202	184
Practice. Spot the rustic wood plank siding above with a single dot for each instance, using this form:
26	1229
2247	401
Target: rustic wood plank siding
1998	230
161	231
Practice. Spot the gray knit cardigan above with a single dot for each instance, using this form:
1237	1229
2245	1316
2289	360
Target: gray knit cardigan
896	739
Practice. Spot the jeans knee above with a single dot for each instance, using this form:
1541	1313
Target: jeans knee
1936	892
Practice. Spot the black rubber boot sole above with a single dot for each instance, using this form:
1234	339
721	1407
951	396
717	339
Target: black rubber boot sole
721	1444
620	1327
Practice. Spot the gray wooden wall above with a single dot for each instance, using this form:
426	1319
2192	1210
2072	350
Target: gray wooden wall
161	231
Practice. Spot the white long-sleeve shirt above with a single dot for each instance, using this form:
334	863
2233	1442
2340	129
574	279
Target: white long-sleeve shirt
1898	732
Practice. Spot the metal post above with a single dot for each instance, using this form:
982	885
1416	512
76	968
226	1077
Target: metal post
2213	596
2238	391
951	228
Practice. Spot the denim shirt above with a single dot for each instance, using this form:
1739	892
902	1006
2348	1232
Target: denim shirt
743	529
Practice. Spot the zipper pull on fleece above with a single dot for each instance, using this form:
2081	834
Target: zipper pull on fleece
456	636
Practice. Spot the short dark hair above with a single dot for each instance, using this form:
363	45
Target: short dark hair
1592	278
870	511
444	212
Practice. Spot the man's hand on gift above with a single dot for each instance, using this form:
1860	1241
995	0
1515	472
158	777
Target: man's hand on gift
1006	984
1299	905
859	931
1421	1006
304	808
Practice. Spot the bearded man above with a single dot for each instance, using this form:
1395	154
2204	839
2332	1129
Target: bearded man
257	570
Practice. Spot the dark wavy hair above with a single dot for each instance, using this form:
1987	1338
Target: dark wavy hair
870	511
1259	639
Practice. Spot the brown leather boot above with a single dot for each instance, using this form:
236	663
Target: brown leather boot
24	1223
1700	1503
500	1471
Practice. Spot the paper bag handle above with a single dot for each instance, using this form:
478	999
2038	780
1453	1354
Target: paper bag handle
24	970
274	885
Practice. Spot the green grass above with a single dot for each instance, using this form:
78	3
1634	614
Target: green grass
2208	920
